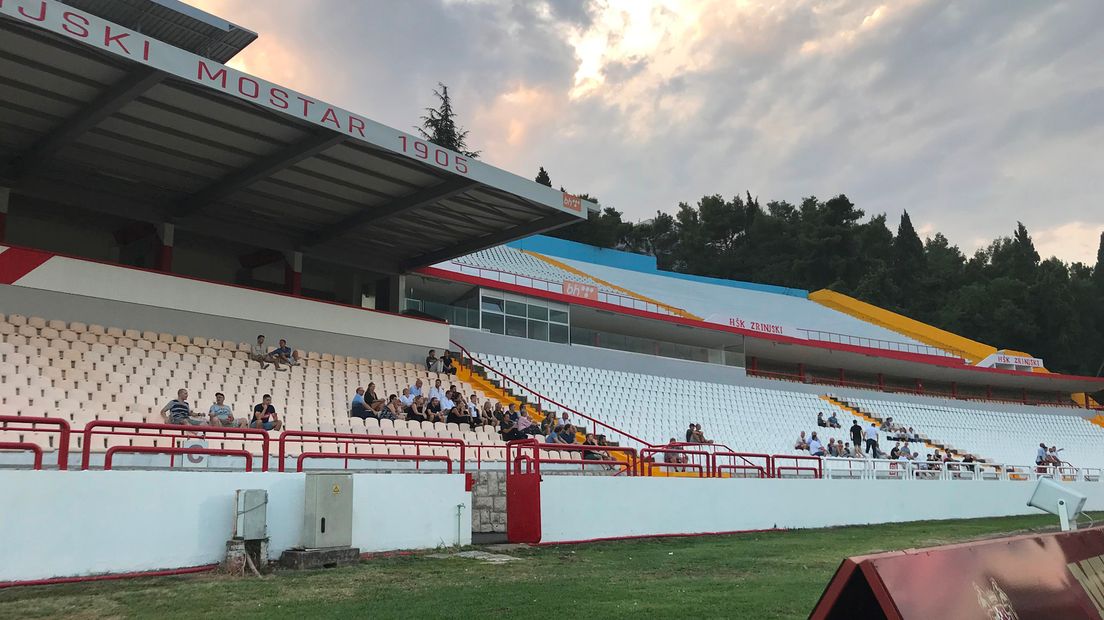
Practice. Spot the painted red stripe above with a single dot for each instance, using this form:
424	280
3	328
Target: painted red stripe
18	262
110	576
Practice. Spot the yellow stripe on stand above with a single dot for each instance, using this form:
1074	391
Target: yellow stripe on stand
568	268
941	339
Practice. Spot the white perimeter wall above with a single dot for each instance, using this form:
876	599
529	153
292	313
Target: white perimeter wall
590	507
71	523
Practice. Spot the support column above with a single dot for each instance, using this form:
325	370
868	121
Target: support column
801	372
881	382
5	197
293	273
843	378
954	389
390	292
166	234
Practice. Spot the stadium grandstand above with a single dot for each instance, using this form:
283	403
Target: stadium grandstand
159	210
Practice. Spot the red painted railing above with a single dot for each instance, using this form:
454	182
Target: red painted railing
419	458
172	432
109	457
699	460
25	446
508	381
13	423
741	463
815	466
349	440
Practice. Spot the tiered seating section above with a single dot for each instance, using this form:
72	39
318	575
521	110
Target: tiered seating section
81	372
999	436
509	260
754	419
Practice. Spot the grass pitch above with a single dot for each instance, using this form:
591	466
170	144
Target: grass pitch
762	575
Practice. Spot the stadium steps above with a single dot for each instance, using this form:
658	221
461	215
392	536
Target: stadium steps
871	417
568	268
476	375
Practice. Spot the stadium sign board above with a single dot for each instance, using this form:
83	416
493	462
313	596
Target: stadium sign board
1010	362
579	289
754	325
1057	575
107	36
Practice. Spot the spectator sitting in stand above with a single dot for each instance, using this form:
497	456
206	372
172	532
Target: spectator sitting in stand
358	408
833	447
437	391
801	443
499	412
370	392
674	455
554	436
473	405
286	354
264	415
509	431
815	447
434	412
433	363
1052	456
394	408
913	435
567	434
221	415
896	451
690	433
406	398
448	363
487	414
820	420
525	424
698	436
833	421
178	411
375	409
259	353
418	412
458	414
565	420
447	402
416	389
512	412
592	455
846	451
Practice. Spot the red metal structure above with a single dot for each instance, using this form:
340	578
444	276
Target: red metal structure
13	423
350	441
170	434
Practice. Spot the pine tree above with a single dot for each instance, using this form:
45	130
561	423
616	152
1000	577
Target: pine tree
543	178
1098	271
439	125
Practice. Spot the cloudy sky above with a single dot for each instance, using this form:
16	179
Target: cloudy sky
971	114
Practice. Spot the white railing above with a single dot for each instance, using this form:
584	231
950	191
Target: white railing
885	469
875	343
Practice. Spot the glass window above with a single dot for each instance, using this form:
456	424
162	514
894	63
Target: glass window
493	323
538	312
515	326
557	333
491	304
515	308
557	316
538	330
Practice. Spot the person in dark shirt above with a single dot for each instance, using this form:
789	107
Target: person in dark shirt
856	435
690	433
370	393
417	412
448	363
433	411
264	415
459	415
509	431
567	435
820	420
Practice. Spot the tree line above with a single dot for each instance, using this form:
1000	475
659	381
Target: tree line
1004	294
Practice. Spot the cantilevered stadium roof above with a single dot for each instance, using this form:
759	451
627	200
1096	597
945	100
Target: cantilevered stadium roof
103	118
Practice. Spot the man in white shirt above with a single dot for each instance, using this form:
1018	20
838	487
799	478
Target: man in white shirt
871	436
1041	455
407	399
815	447
438	392
473	406
416	389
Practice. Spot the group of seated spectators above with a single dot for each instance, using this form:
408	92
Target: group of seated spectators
864	440
445	364
179	411
281	355
435	405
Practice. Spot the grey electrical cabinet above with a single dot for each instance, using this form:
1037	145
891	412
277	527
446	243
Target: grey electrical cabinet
328	511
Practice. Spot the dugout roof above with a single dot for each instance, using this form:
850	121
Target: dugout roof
103	118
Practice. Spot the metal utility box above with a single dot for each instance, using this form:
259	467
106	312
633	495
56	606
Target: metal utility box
328	511
251	514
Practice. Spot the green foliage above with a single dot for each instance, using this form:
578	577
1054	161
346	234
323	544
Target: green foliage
1004	295
439	125
543	178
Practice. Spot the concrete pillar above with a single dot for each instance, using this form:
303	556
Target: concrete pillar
293	273
390	292
166	234
5	197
